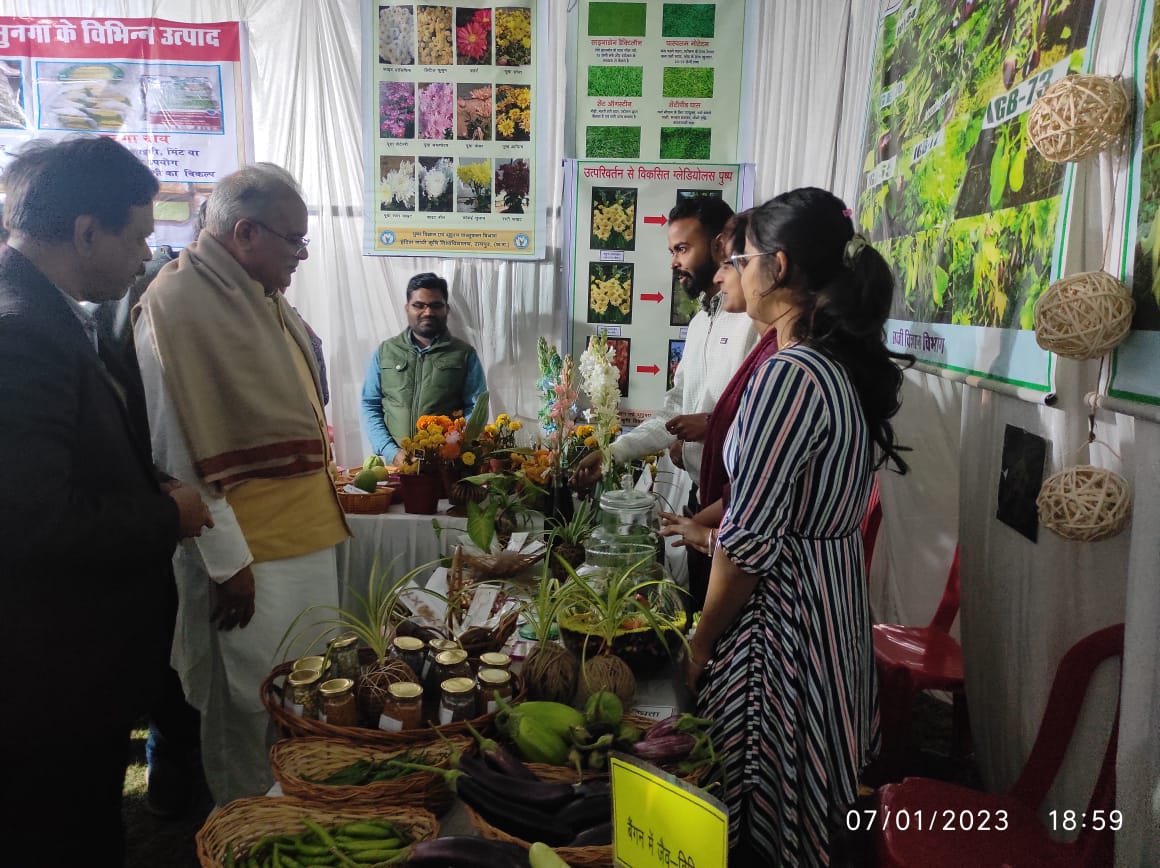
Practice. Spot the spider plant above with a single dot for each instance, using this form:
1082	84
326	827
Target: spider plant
567	538
550	670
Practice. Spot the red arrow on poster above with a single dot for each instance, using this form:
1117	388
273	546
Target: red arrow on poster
651	296
660	220
648	369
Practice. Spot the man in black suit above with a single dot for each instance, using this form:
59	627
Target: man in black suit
87	531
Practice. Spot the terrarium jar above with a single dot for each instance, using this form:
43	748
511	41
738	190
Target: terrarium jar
629	517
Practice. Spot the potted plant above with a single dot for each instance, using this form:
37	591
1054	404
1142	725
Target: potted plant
550	670
375	621
566	539
617	614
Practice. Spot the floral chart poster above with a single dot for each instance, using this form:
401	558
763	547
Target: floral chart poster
452	129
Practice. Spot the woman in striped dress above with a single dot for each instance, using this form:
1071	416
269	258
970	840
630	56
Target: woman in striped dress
782	656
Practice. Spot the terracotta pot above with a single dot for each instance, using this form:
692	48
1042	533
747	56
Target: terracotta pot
421	492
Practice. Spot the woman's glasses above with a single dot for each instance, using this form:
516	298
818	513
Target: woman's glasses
738	260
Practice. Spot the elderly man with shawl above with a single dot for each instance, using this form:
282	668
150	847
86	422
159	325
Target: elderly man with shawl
235	407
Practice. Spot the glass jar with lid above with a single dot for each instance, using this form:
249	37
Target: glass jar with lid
451	664
629	530
411	650
301	695
343	651
403	707
434	648
493	683
495	660
458	700
315	662
338	703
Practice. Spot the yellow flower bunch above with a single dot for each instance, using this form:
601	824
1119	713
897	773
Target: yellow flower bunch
434	25
607	219
611	291
431	440
478	175
512	111
536	466
513	37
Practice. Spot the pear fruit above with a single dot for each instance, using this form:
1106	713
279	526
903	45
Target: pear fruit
366	480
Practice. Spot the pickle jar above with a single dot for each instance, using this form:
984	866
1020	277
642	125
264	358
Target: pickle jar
434	648
315	662
403	707
338	704
344	656
458	700
495	660
452	664
412	651
493	683
301	696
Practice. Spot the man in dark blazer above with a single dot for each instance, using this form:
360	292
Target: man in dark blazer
87	531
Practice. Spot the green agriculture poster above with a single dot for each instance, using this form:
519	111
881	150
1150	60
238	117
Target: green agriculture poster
1136	364
619	269
659	81
967	212
453	131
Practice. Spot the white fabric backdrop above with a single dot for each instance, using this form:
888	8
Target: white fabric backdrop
1022	605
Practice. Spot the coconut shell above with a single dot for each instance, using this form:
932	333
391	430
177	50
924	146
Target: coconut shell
606	672
551	672
373	682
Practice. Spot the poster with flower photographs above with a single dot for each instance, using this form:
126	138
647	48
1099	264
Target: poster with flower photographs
619	269
452	128
659	80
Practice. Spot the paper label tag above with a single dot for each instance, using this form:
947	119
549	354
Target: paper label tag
322	716
653	712
389	724
445	714
295	709
516	543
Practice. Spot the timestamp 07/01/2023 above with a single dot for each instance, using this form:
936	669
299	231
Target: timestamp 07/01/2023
978	820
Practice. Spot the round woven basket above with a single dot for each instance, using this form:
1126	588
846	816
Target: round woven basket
293	726
299	763
1085	503
241	824
366	503
1084	316
1077	117
501	565
577	857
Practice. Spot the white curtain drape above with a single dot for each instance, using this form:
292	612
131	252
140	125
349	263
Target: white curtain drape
1023	604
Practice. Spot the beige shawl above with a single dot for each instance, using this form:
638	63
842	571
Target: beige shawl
228	369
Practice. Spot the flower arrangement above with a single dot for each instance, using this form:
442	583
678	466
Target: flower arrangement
600	381
475	185
435	437
512	180
396	110
473	36
513	114
396	33
551	366
610	292
536	466
436	111
397	188
513	37
474	113
613	219
436	184
435	35
500	434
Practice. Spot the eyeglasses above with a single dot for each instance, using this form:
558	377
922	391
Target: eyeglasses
433	306
299	243
738	260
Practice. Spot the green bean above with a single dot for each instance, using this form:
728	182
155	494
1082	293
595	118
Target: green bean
356	844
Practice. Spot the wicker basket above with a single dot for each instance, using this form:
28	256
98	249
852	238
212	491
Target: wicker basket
502	565
291	725
366	504
577	857
298	764
243	823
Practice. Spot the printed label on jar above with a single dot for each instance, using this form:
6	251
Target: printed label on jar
322	716
389	724
445	714
294	708
492	706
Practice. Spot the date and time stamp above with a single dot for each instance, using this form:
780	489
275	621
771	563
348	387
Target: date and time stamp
980	820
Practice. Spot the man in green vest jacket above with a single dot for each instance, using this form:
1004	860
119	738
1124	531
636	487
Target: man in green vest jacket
423	371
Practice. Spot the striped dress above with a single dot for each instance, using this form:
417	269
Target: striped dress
792	687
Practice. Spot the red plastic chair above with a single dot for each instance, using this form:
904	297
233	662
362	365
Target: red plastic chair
911	660
1025	841
871	523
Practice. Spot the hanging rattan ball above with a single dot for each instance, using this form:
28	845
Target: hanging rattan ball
1084	315
1085	503
1077	117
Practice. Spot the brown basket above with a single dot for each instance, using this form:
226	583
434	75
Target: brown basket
241	824
577	857
293	726
501	565
366	504
298	764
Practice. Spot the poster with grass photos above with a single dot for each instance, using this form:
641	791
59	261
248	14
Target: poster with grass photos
452	129
969	215
659	80
619	268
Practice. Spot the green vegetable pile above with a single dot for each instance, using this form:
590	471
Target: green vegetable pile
363	771
366	842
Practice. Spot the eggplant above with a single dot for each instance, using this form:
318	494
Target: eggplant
675	746
664	727
501	759
466	851
546	795
586	811
595	836
520	820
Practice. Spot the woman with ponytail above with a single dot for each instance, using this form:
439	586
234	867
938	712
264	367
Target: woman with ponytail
782	657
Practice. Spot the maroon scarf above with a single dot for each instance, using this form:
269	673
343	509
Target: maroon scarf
713	476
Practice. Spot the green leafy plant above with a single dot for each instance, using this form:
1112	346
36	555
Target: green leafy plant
503	510
615	80
612	143
686	143
688	20
685	82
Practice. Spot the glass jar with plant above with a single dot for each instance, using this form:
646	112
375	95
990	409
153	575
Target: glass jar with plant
614	616
566	539
374	618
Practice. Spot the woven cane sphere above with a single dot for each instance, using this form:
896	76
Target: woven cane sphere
1077	117
1084	315
1085	503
